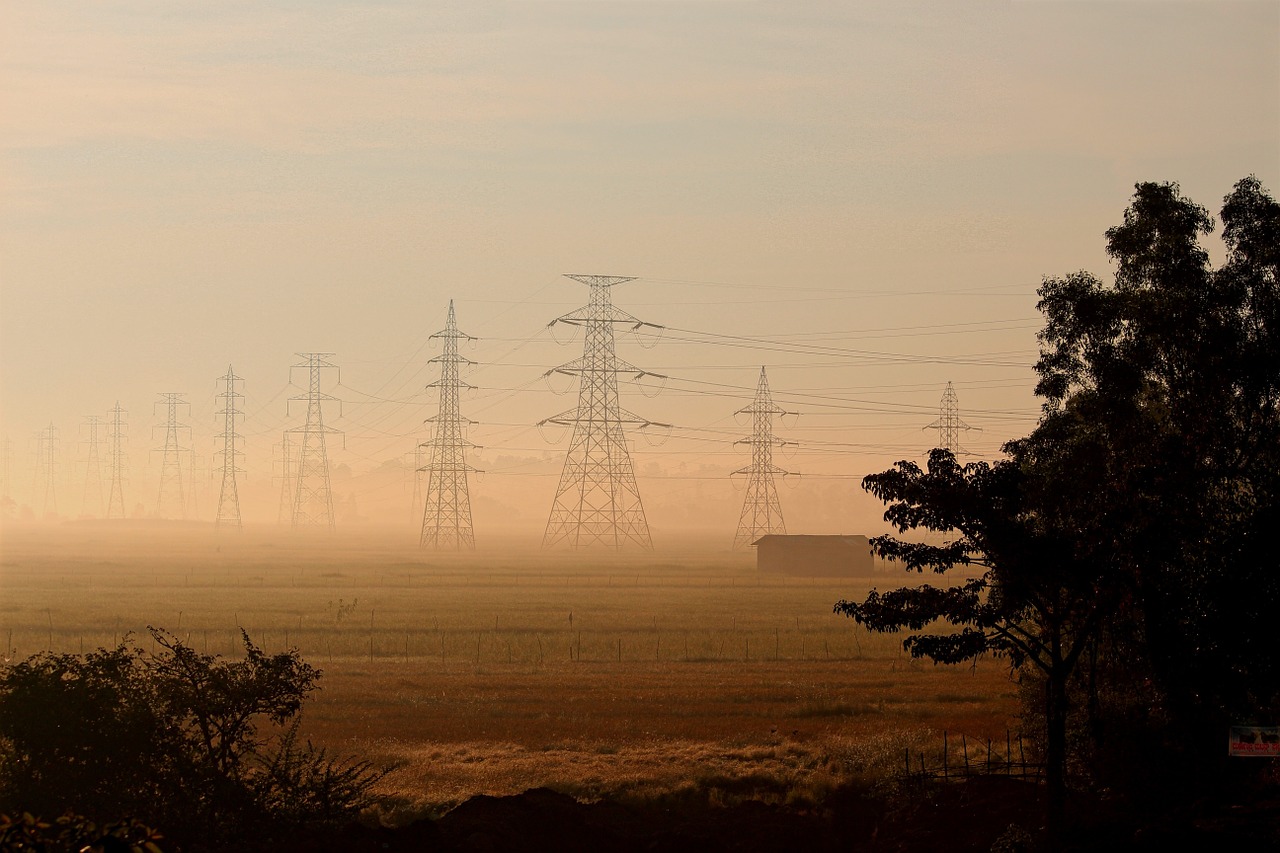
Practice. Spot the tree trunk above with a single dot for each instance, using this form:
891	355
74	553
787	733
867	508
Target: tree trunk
1055	767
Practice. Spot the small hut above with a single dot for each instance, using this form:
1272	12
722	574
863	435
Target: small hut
815	556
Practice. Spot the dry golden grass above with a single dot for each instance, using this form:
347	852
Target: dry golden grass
494	673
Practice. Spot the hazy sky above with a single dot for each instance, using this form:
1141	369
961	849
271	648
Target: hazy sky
184	186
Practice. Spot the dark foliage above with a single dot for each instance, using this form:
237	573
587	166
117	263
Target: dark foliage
202	746
1125	542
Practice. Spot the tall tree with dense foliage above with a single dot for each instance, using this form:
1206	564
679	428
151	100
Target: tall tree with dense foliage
1142	504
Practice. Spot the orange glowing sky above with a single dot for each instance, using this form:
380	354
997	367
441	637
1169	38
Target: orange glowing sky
866	194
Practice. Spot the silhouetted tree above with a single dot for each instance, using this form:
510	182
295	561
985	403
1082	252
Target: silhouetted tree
175	737
1141	506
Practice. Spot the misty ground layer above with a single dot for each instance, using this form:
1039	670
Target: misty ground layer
494	673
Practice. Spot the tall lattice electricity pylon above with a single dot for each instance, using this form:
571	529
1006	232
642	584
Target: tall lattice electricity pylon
228	516
91	499
597	501
6	490
312	498
171	501
285	513
948	423
446	515
761	509
420	457
47	470
116	437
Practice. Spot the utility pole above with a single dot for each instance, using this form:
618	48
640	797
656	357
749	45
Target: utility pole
116	438
948	423
597	501
91	501
47	468
229	496
446	514
761	509
171	502
312	498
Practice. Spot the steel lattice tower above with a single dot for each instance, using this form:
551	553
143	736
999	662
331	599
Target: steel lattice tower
312	499
948	423
8	467
446	516
116	438
229	496
47	468
171	502
285	513
597	501
761	509
91	500
419	465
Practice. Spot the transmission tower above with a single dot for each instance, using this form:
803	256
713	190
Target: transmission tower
116	438
761	509
8	467
312	499
420	458
948	423
47	469
171	502
597	501
229	497
91	501
285	513
446	514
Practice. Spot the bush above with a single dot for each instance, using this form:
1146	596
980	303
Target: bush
176	738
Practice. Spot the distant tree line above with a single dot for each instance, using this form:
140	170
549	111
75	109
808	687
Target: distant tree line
1128	543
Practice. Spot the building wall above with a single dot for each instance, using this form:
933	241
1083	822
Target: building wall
815	556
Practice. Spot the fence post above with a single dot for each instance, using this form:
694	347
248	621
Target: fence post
964	744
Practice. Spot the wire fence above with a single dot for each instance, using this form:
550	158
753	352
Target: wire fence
965	760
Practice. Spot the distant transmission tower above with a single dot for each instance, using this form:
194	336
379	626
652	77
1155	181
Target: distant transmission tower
597	501
948	423
420	458
8	467
91	501
761	509
116	438
312	499
47	469
285	513
446	515
229	497
171	502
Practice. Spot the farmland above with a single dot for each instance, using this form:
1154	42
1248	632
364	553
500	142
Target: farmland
500	671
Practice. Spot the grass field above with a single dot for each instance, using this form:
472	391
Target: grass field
685	674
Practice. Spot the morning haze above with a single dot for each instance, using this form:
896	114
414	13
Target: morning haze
859	202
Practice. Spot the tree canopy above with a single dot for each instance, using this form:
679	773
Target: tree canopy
1139	512
202	746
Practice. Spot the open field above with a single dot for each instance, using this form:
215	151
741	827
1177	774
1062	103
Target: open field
496	672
